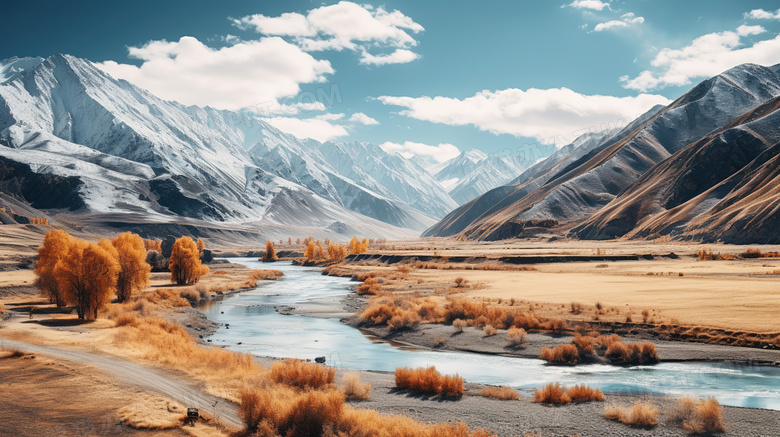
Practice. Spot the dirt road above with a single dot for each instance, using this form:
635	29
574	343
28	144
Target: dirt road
154	380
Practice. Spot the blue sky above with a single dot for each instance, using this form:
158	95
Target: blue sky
429	78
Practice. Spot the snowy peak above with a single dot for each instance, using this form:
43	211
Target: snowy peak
12	67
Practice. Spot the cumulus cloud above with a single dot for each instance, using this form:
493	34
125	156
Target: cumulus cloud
315	128
706	56
439	153
543	114
343	26
761	14
399	56
625	21
362	118
245	74
595	5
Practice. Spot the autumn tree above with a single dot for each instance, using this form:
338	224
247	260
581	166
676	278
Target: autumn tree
270	253
318	250
55	246
310	251
87	276
298	241
134	271
201	245
356	246
153	245
185	263
289	241
336	252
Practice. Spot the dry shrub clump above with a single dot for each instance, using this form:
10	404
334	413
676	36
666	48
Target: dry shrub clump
302	374
565	354
611	347
505	393
516	337
576	307
281	410
429	380
489	330
583	393
554	394
369	287
459	324
354	389
401	312
698	416
640	415
707	254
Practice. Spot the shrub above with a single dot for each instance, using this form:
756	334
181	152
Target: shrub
369	287
583	393
403	320
751	253
460	282
354	389
302	374
270	253
640	415
451	386
505	393
565	354
428	380
576	307
554	394
489	330
459	324
557	326
698	416
516	337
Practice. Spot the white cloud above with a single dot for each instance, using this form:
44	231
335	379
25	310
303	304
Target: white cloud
315	128
344	26
761	14
362	118
541	114
745	30
706	56
408	149
330	117
399	56
625	21
595	5
252	73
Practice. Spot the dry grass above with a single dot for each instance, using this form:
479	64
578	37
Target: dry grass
153	413
369	287
565	354
554	394
576	308
302	374
428	380
583	393
505	393
698	416
354	389
639	415
459	325
489	330
516	337
707	254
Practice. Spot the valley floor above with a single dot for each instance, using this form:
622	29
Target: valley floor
738	295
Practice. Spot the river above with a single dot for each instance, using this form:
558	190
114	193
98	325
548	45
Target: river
262	331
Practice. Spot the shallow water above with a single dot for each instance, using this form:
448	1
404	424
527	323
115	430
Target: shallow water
262	331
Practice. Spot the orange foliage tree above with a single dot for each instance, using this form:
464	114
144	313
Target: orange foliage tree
55	247
185	263
356	246
336	252
87	276
318	250
201	245
310	251
270	253
134	271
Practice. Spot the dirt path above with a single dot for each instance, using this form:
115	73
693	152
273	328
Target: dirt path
151	379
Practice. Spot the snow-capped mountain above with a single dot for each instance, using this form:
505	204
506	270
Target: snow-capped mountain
474	172
126	151
577	183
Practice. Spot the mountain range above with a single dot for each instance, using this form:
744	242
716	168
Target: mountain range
703	168
75	141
